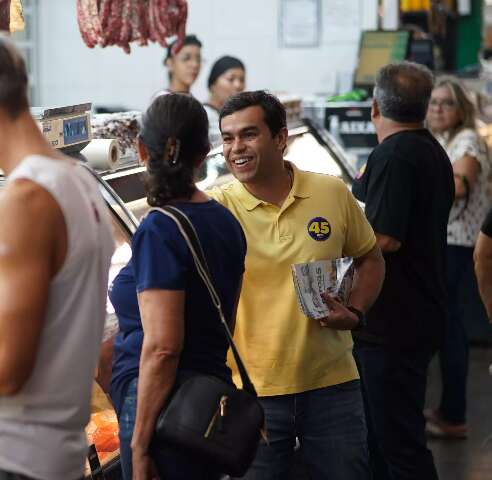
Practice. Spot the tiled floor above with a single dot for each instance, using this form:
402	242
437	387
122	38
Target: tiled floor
469	459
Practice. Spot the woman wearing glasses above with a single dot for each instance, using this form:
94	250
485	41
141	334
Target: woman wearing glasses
451	117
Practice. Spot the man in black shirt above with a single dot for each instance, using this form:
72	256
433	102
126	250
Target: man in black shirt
408	189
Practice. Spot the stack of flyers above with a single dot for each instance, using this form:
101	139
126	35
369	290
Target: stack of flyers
314	278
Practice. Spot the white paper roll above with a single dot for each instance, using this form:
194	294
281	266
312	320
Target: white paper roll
102	154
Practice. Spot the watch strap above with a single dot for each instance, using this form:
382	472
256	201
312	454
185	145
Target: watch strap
360	315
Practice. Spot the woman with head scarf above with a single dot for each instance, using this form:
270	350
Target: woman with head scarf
183	66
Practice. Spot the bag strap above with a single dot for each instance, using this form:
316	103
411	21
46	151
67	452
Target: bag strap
189	233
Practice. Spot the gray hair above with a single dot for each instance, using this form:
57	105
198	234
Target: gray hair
403	90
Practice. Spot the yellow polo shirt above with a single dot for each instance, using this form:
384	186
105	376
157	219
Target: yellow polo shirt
284	351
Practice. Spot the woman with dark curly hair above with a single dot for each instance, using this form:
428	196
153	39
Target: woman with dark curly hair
169	328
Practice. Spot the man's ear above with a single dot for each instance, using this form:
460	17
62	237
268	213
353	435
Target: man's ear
375	113
143	153
282	137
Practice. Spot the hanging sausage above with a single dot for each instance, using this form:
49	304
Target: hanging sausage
5	15
120	22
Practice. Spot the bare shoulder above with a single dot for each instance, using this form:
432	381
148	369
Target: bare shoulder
26	196
26	206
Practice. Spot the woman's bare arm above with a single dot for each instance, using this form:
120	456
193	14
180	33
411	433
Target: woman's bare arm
468	167
162	313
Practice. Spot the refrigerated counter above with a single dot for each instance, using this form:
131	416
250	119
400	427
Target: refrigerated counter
309	148
348	122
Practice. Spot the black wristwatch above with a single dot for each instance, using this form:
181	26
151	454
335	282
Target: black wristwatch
361	316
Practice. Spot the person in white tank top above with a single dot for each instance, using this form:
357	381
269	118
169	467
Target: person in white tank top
55	251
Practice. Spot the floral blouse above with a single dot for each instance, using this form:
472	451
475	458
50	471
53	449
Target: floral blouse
465	219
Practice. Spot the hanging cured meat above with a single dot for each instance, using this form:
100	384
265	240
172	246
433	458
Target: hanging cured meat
5	15
120	22
16	16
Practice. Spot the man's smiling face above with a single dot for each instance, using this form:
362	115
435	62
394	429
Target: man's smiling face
249	147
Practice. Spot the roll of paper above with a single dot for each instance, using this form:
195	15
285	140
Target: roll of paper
102	154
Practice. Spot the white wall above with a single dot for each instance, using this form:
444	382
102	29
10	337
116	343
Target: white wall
72	73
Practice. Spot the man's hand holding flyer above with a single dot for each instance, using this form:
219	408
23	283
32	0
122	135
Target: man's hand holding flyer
313	279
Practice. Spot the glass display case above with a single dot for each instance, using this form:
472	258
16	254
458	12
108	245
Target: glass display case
102	430
308	147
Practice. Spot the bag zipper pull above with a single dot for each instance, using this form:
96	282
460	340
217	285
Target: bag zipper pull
222	407
217	418
263	433
211	424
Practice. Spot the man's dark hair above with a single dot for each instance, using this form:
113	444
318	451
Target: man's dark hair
273	110
13	79
403	90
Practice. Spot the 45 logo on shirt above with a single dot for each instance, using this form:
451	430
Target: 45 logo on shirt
319	229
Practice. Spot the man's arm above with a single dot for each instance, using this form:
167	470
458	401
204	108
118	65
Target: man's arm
387	244
32	248
389	202
483	270
368	280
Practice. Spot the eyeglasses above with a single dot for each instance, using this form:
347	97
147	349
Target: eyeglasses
445	104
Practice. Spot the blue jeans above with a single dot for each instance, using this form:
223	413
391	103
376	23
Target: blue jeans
394	384
453	354
171	463
331	428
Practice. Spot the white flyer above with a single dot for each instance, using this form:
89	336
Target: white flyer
314	278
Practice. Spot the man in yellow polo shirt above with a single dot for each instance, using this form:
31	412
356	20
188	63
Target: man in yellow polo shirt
303	369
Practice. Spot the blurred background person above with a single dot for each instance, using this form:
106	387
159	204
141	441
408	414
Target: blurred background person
56	248
227	77
169	327
451	118
483	264
183	66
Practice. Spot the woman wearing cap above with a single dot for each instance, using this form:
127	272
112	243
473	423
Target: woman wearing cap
227	77
183	66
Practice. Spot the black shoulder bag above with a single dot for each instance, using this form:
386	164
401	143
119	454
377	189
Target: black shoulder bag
208	417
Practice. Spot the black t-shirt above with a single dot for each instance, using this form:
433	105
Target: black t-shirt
408	189
487	225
